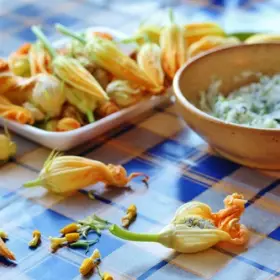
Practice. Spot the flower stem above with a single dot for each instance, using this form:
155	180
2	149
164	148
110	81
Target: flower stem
98	219
132	236
131	40
171	15
64	30
32	184
41	36
90	116
241	35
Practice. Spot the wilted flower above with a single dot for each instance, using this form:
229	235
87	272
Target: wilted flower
228	219
62	174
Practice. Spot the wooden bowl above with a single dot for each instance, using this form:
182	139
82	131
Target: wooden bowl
253	147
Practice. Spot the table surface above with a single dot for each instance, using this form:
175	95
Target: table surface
179	163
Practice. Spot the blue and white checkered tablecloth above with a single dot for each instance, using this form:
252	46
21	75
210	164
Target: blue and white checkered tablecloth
179	163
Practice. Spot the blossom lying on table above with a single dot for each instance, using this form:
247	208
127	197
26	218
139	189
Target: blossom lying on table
7	147
195	228
64	174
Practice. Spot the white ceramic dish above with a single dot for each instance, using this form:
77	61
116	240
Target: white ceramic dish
66	140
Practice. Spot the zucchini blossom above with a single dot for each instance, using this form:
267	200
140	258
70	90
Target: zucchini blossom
62	174
195	228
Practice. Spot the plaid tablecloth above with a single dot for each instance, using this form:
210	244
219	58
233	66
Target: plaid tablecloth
179	163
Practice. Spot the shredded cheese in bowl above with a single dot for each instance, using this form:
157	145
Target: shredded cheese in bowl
255	105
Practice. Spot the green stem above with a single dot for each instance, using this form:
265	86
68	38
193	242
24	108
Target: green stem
64	30
146	38
242	35
32	184
132	236
41	36
130	40
90	116
171	15
98	219
99	273
6	131
83	243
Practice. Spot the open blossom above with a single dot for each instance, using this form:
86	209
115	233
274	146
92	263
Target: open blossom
195	227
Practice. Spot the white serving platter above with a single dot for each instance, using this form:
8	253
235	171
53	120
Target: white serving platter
64	141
